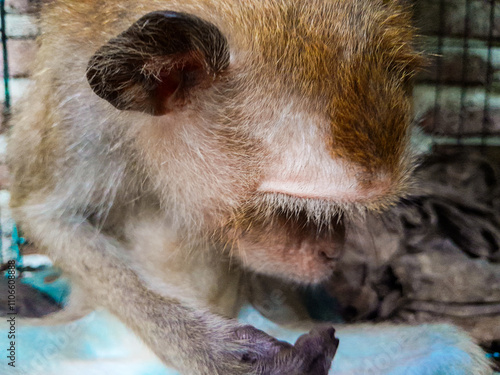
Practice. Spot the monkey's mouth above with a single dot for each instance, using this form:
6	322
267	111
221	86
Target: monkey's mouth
294	242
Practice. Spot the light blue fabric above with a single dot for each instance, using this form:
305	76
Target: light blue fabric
99	344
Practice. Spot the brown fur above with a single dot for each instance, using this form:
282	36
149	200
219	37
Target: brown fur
156	216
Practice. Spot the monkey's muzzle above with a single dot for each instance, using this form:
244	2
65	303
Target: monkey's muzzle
291	245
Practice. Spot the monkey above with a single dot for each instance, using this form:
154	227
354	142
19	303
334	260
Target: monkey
168	149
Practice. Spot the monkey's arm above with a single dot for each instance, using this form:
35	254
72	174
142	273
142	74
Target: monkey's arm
194	341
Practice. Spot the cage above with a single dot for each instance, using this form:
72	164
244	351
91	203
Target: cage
457	117
456	96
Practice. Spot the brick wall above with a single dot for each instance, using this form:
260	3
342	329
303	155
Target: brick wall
21	45
21	48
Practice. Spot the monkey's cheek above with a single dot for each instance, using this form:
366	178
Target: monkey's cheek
302	262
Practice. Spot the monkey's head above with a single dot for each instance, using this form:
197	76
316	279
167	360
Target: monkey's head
266	121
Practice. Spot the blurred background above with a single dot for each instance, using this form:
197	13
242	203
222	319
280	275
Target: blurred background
436	256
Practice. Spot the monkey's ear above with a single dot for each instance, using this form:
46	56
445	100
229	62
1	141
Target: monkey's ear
153	65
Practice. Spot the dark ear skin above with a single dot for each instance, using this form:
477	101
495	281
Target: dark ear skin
152	66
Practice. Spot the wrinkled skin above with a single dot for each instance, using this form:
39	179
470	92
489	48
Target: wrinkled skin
312	353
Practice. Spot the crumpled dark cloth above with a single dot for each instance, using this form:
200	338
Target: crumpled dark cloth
436	255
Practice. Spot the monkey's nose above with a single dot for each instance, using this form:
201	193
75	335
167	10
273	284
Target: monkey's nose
329	255
332	252
333	249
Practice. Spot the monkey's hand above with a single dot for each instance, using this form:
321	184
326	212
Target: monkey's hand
312	354
192	340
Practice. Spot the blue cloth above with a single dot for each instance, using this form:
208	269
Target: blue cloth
100	344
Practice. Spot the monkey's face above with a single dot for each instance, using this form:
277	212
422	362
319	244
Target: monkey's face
267	130
293	221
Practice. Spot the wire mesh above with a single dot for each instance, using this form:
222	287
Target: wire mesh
487	122
463	42
6	75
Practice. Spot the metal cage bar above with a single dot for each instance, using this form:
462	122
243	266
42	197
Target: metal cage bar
6	75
